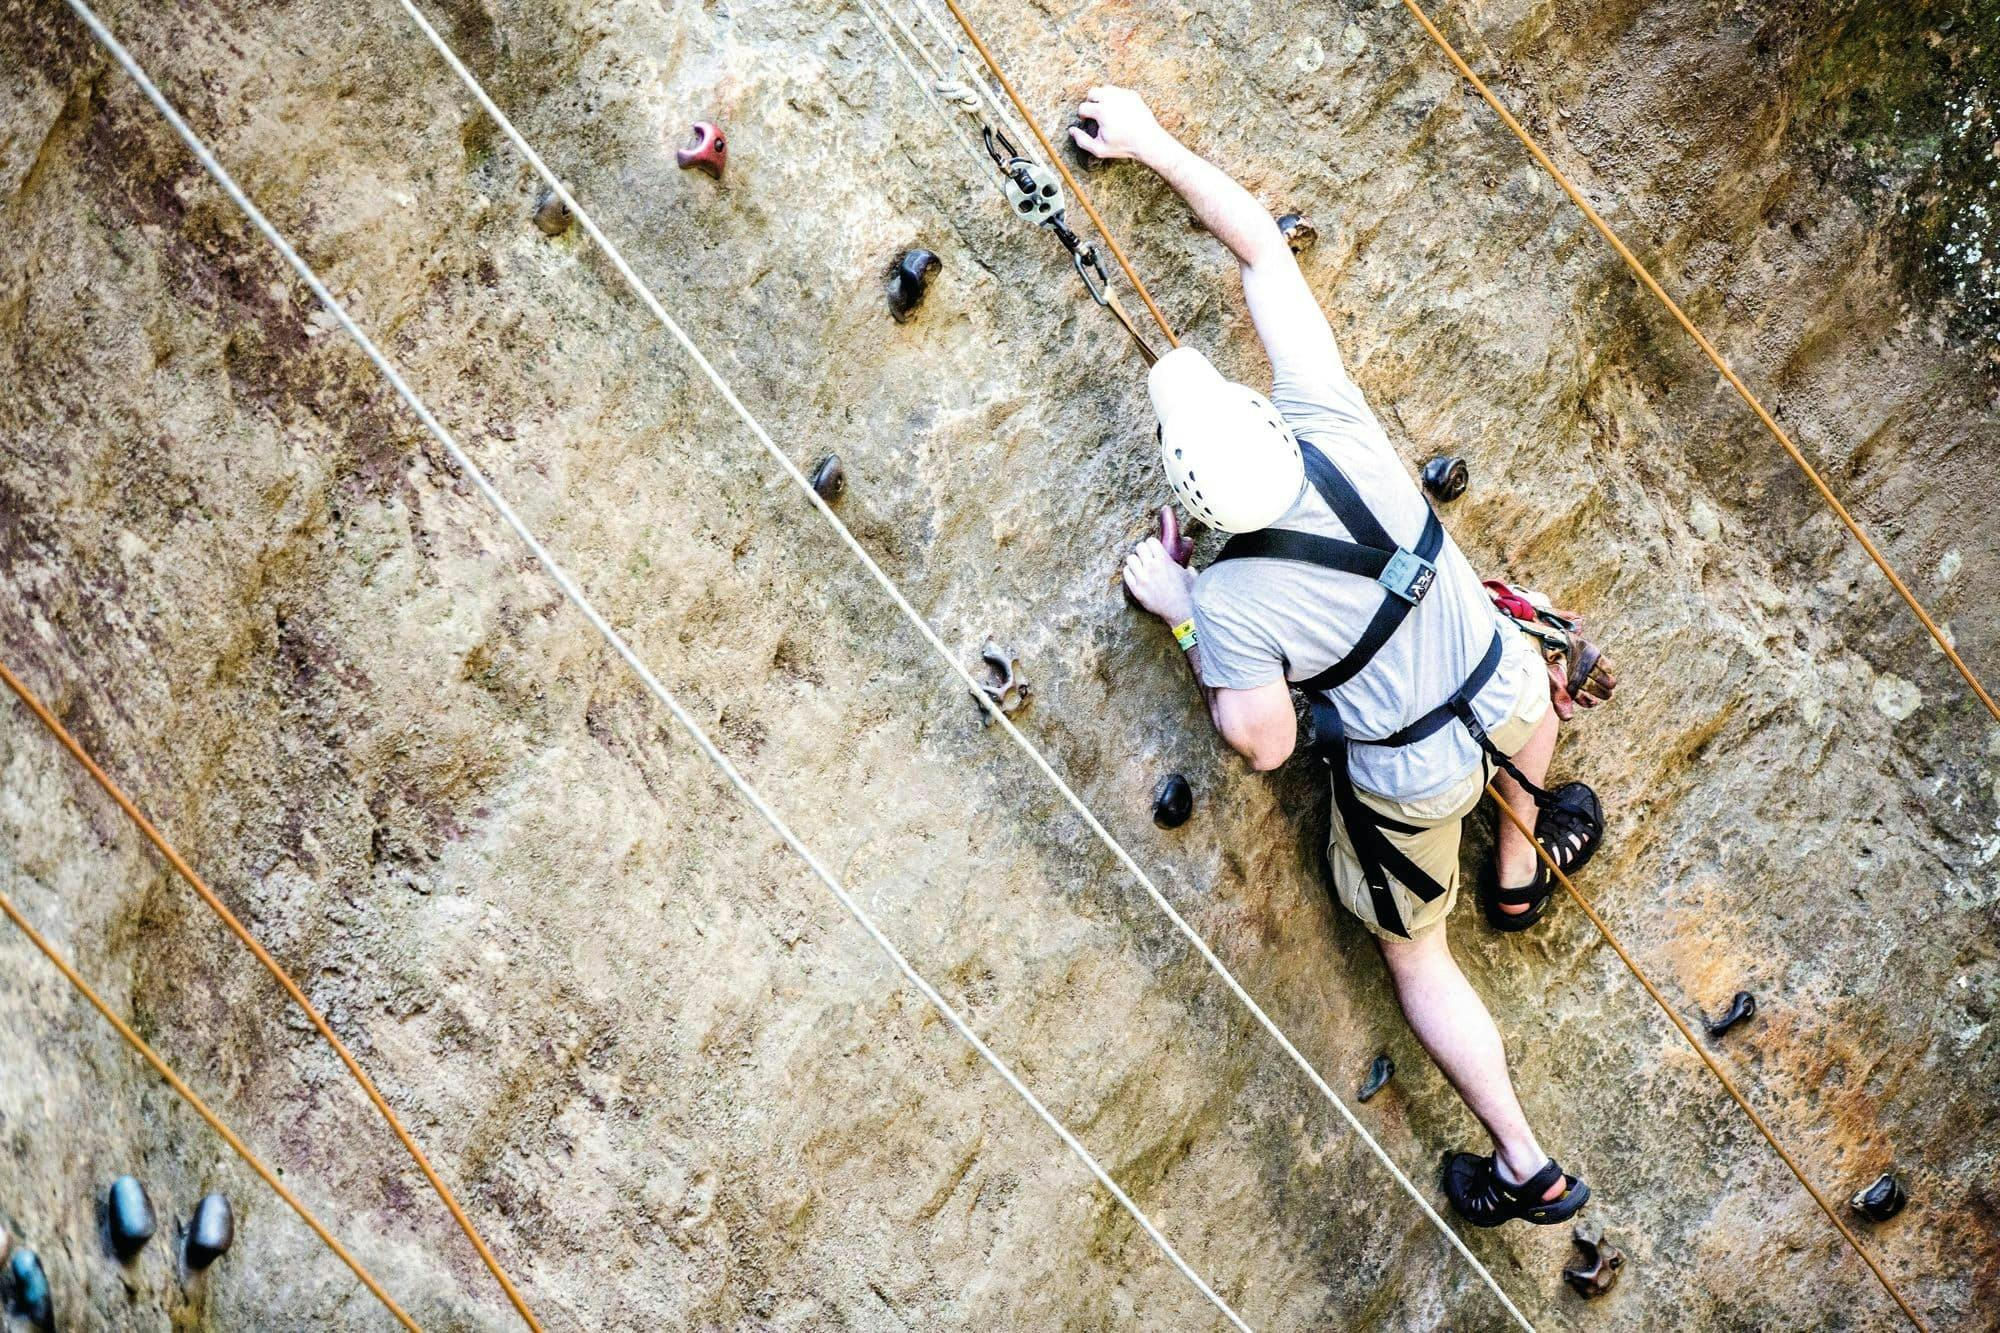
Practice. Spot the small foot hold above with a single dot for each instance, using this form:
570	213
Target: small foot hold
1881	1200
1010	692
1173	801
1299	232
1741	1009
829	478
909	281
128	1217
1379	1075
28	1291
707	149
1598	1272
210	1232
1446	478
552	216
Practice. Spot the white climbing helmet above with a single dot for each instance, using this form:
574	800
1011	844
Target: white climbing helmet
1233	462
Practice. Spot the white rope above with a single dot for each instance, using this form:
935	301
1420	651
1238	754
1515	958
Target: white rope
973	76
895	594
617	642
925	87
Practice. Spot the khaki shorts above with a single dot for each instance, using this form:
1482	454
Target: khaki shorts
1434	847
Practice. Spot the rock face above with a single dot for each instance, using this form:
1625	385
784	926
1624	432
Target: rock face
671	1080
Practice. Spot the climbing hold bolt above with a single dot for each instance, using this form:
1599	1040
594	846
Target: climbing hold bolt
707	150
128	1217
1882	1200
551	214
28	1291
1446	478
1601	1260
1173	801
1299	232
210	1232
1379	1075
909	279
1010	692
1741	1008
829	478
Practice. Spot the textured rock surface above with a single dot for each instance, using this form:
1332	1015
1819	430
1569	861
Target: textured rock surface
674	1084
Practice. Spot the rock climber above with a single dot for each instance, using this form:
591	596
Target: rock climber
1338	580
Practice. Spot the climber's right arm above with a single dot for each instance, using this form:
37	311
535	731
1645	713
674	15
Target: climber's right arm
1294	331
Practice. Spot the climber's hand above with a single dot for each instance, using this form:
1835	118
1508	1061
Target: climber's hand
1125	127
1158	584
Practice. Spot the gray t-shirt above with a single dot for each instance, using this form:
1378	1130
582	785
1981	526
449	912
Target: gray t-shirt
1262	619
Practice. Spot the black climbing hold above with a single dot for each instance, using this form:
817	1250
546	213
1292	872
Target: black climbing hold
1741	1008
1173	801
210	1232
1882	1200
1446	478
829	478
128	1217
1299	232
909	278
1078	154
551	214
1379	1075
1601	1260
28	1291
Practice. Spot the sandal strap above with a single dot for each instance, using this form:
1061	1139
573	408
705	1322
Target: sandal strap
1532	1189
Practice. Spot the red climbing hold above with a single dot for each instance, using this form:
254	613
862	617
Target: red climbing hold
707	151
1180	549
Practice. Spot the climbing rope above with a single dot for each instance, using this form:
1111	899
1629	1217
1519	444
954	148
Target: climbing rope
188	1095
1728	1084
576	597
278	973
1652	285
930	636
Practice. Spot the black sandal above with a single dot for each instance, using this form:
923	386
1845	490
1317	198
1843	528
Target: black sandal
1479	1195
1569	826
1535	893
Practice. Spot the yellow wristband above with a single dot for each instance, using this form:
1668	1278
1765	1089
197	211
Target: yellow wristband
1185	636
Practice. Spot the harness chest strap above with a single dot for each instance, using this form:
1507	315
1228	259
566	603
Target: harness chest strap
1406	577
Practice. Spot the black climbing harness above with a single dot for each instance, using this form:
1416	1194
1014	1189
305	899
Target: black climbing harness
1035	193
1406	576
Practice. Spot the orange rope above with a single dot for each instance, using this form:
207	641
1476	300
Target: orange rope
1652	285
1069	178
1728	1084
175	1082
277	971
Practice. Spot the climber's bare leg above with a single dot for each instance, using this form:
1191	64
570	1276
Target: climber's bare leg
1515	853
1453	1025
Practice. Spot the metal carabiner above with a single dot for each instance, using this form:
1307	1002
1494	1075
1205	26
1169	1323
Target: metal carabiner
1086	261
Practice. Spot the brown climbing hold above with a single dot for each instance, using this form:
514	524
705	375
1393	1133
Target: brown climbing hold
706	151
1742	1008
1598	1272
1010	692
552	216
909	280
829	478
1299	232
1882	1200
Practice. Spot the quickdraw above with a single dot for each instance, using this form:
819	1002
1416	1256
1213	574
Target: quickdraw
1035	193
